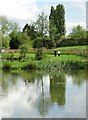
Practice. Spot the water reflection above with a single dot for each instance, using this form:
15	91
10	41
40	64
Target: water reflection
58	88
79	77
41	93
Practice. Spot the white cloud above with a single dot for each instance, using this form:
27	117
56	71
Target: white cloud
18	9
62	0
23	12
14	102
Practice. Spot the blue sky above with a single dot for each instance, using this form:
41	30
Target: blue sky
25	11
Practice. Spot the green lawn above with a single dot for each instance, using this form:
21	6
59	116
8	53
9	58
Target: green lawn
48	62
77	53
63	58
48	57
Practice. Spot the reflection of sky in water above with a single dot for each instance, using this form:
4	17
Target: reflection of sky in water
23	100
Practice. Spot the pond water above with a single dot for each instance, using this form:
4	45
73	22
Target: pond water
35	94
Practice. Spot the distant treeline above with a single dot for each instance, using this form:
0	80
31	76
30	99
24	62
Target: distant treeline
49	32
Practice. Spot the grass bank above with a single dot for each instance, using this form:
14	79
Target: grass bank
72	50
49	62
75	57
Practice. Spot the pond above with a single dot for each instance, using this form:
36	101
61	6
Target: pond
35	94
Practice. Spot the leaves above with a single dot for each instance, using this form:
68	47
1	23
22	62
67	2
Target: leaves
57	23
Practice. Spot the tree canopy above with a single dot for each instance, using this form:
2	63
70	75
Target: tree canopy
6	27
46	31
57	23
78	32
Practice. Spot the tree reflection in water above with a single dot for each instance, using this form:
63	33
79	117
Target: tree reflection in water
43	102
58	88
50	87
56	94
43	89
78	76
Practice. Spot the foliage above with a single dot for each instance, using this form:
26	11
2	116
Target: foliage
23	39
50	62
29	66
18	39
38	42
41	24
74	65
39	45
48	43
6	27
30	30
78	36
39	54
6	65
14	42
78	32
5	41
23	51
69	42
57	23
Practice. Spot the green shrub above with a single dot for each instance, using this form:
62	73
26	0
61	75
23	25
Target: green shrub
39	54
73	65
29	66
23	51
6	65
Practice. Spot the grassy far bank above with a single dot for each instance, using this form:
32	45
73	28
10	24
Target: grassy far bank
77	50
49	61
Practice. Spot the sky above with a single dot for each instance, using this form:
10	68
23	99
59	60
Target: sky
26	11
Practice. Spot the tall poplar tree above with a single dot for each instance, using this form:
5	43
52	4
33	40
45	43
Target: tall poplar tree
57	23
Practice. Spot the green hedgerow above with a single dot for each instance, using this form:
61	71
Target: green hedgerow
7	65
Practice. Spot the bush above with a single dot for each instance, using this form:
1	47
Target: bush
23	51
74	65
48	43
72	42
39	54
6	65
14	43
29	66
38	43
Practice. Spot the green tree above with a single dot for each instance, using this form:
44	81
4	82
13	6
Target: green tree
14	42
38	44
6	27
87	34
30	30
41	26
18	39
47	42
23	38
58	83
78	34
60	19
0	40
23	51
57	23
